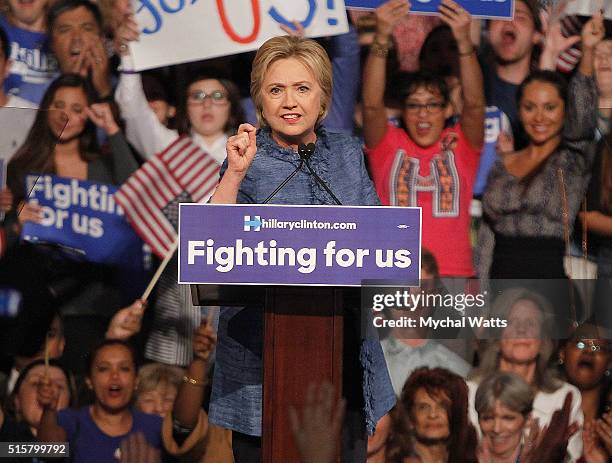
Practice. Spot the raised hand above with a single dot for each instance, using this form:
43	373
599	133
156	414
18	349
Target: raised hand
592	452
204	340
554	41
296	31
603	428
96	61
126	31
317	432
29	211
550	444
459	20
135	448
593	31
127	321
102	115
388	15
241	149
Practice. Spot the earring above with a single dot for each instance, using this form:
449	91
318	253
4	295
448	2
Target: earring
560	361
607	372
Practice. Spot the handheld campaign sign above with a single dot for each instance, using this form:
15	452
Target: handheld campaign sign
493	9
298	245
82	217
180	31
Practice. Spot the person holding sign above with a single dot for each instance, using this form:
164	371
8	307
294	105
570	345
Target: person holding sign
428	164
291	82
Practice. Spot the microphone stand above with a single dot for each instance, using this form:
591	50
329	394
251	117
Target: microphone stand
278	188
305	152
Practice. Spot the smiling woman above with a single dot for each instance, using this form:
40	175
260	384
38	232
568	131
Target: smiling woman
503	403
533	195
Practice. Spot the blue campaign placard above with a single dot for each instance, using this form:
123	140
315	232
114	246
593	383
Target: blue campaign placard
494	9
298	245
83	218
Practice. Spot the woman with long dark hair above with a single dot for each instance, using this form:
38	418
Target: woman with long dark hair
534	194
62	141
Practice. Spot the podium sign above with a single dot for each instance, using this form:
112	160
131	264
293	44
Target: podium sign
298	245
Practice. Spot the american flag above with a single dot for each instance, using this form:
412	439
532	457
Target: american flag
183	172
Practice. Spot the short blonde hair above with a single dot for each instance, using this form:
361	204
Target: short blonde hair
152	375
308	52
509	389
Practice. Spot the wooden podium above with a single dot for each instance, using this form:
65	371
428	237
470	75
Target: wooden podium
303	339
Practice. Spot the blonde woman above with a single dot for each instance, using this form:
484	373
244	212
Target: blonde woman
291	82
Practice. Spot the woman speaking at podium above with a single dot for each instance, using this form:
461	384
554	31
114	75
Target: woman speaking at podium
291	84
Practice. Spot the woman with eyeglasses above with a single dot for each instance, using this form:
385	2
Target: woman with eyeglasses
524	348
427	163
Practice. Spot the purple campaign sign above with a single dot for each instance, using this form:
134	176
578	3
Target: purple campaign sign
298	245
495	9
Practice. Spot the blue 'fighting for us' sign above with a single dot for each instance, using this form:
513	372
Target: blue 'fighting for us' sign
298	245
494	9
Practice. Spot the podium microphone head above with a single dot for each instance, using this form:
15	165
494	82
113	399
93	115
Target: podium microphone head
306	151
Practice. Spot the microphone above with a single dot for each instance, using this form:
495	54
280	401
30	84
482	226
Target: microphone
305	152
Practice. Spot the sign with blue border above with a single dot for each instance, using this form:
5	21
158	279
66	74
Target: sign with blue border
298	245
492	9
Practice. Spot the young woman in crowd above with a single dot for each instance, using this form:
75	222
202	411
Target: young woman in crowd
24	411
525	347
432	420
426	163
63	142
110	419
533	195
291	85
157	388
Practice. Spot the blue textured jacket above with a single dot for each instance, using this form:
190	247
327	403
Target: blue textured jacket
236	401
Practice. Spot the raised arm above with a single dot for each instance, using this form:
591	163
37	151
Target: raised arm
345	69
191	392
374	71
143	129
241	150
123	161
580	114
473	114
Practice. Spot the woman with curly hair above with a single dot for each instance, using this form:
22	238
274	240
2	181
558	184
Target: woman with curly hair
432	424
